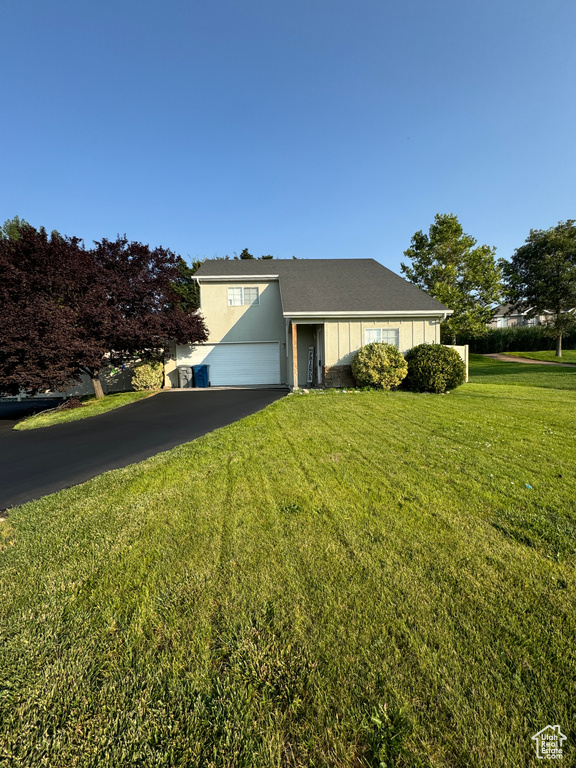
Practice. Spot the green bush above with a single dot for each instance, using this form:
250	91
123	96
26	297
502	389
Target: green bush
434	368
148	375
378	365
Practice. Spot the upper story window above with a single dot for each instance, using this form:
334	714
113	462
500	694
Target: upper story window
234	297
239	296
383	335
251	296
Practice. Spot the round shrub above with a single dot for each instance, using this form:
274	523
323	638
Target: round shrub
434	368
378	365
148	375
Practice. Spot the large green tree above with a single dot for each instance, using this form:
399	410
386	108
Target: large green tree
464	277
541	277
186	286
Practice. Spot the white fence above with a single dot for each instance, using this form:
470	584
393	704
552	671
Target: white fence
463	352
117	379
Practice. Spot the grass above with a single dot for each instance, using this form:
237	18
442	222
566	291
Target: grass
340	580
548	355
91	407
485	370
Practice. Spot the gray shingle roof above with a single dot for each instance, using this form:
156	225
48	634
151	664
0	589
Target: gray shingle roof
330	285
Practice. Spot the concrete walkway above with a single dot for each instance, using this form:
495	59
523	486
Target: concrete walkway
529	361
40	461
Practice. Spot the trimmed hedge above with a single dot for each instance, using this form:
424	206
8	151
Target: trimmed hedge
378	365
434	368
522	338
148	376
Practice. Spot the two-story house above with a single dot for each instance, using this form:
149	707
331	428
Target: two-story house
298	322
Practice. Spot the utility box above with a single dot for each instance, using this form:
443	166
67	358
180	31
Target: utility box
185	378
201	375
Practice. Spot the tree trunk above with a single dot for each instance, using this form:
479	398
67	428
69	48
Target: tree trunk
97	385
559	345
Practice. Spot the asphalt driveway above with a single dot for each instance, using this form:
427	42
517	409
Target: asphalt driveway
41	461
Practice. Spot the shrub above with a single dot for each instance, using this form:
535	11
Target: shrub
434	368
148	375
72	402
378	365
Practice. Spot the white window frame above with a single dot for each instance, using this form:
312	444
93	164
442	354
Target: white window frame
236	291
383	336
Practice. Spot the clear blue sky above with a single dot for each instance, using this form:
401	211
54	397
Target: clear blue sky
314	128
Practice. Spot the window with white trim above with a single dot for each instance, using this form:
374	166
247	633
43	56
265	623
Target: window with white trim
240	296
234	297
383	335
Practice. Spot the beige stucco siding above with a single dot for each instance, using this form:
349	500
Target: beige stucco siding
344	337
258	322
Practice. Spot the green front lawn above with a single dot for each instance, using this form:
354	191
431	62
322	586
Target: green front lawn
91	407
334	581
486	370
548	355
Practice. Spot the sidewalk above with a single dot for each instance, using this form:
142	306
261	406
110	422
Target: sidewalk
512	359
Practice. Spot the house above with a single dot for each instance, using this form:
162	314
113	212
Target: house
298	322
506	317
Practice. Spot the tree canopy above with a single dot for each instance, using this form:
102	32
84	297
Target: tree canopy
185	286
245	254
541	277
68	310
11	228
464	277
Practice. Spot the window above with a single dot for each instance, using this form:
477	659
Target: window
239	296
384	335
502	322
251	296
234	297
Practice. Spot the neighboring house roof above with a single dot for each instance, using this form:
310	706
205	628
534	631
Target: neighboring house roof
503	310
329	286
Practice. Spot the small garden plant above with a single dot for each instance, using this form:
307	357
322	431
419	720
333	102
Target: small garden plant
148	376
379	365
434	368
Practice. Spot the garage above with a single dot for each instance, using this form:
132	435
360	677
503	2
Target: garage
235	363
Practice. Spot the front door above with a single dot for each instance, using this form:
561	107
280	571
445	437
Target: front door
319	354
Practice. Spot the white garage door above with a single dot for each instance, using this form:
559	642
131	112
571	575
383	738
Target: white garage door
235	364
